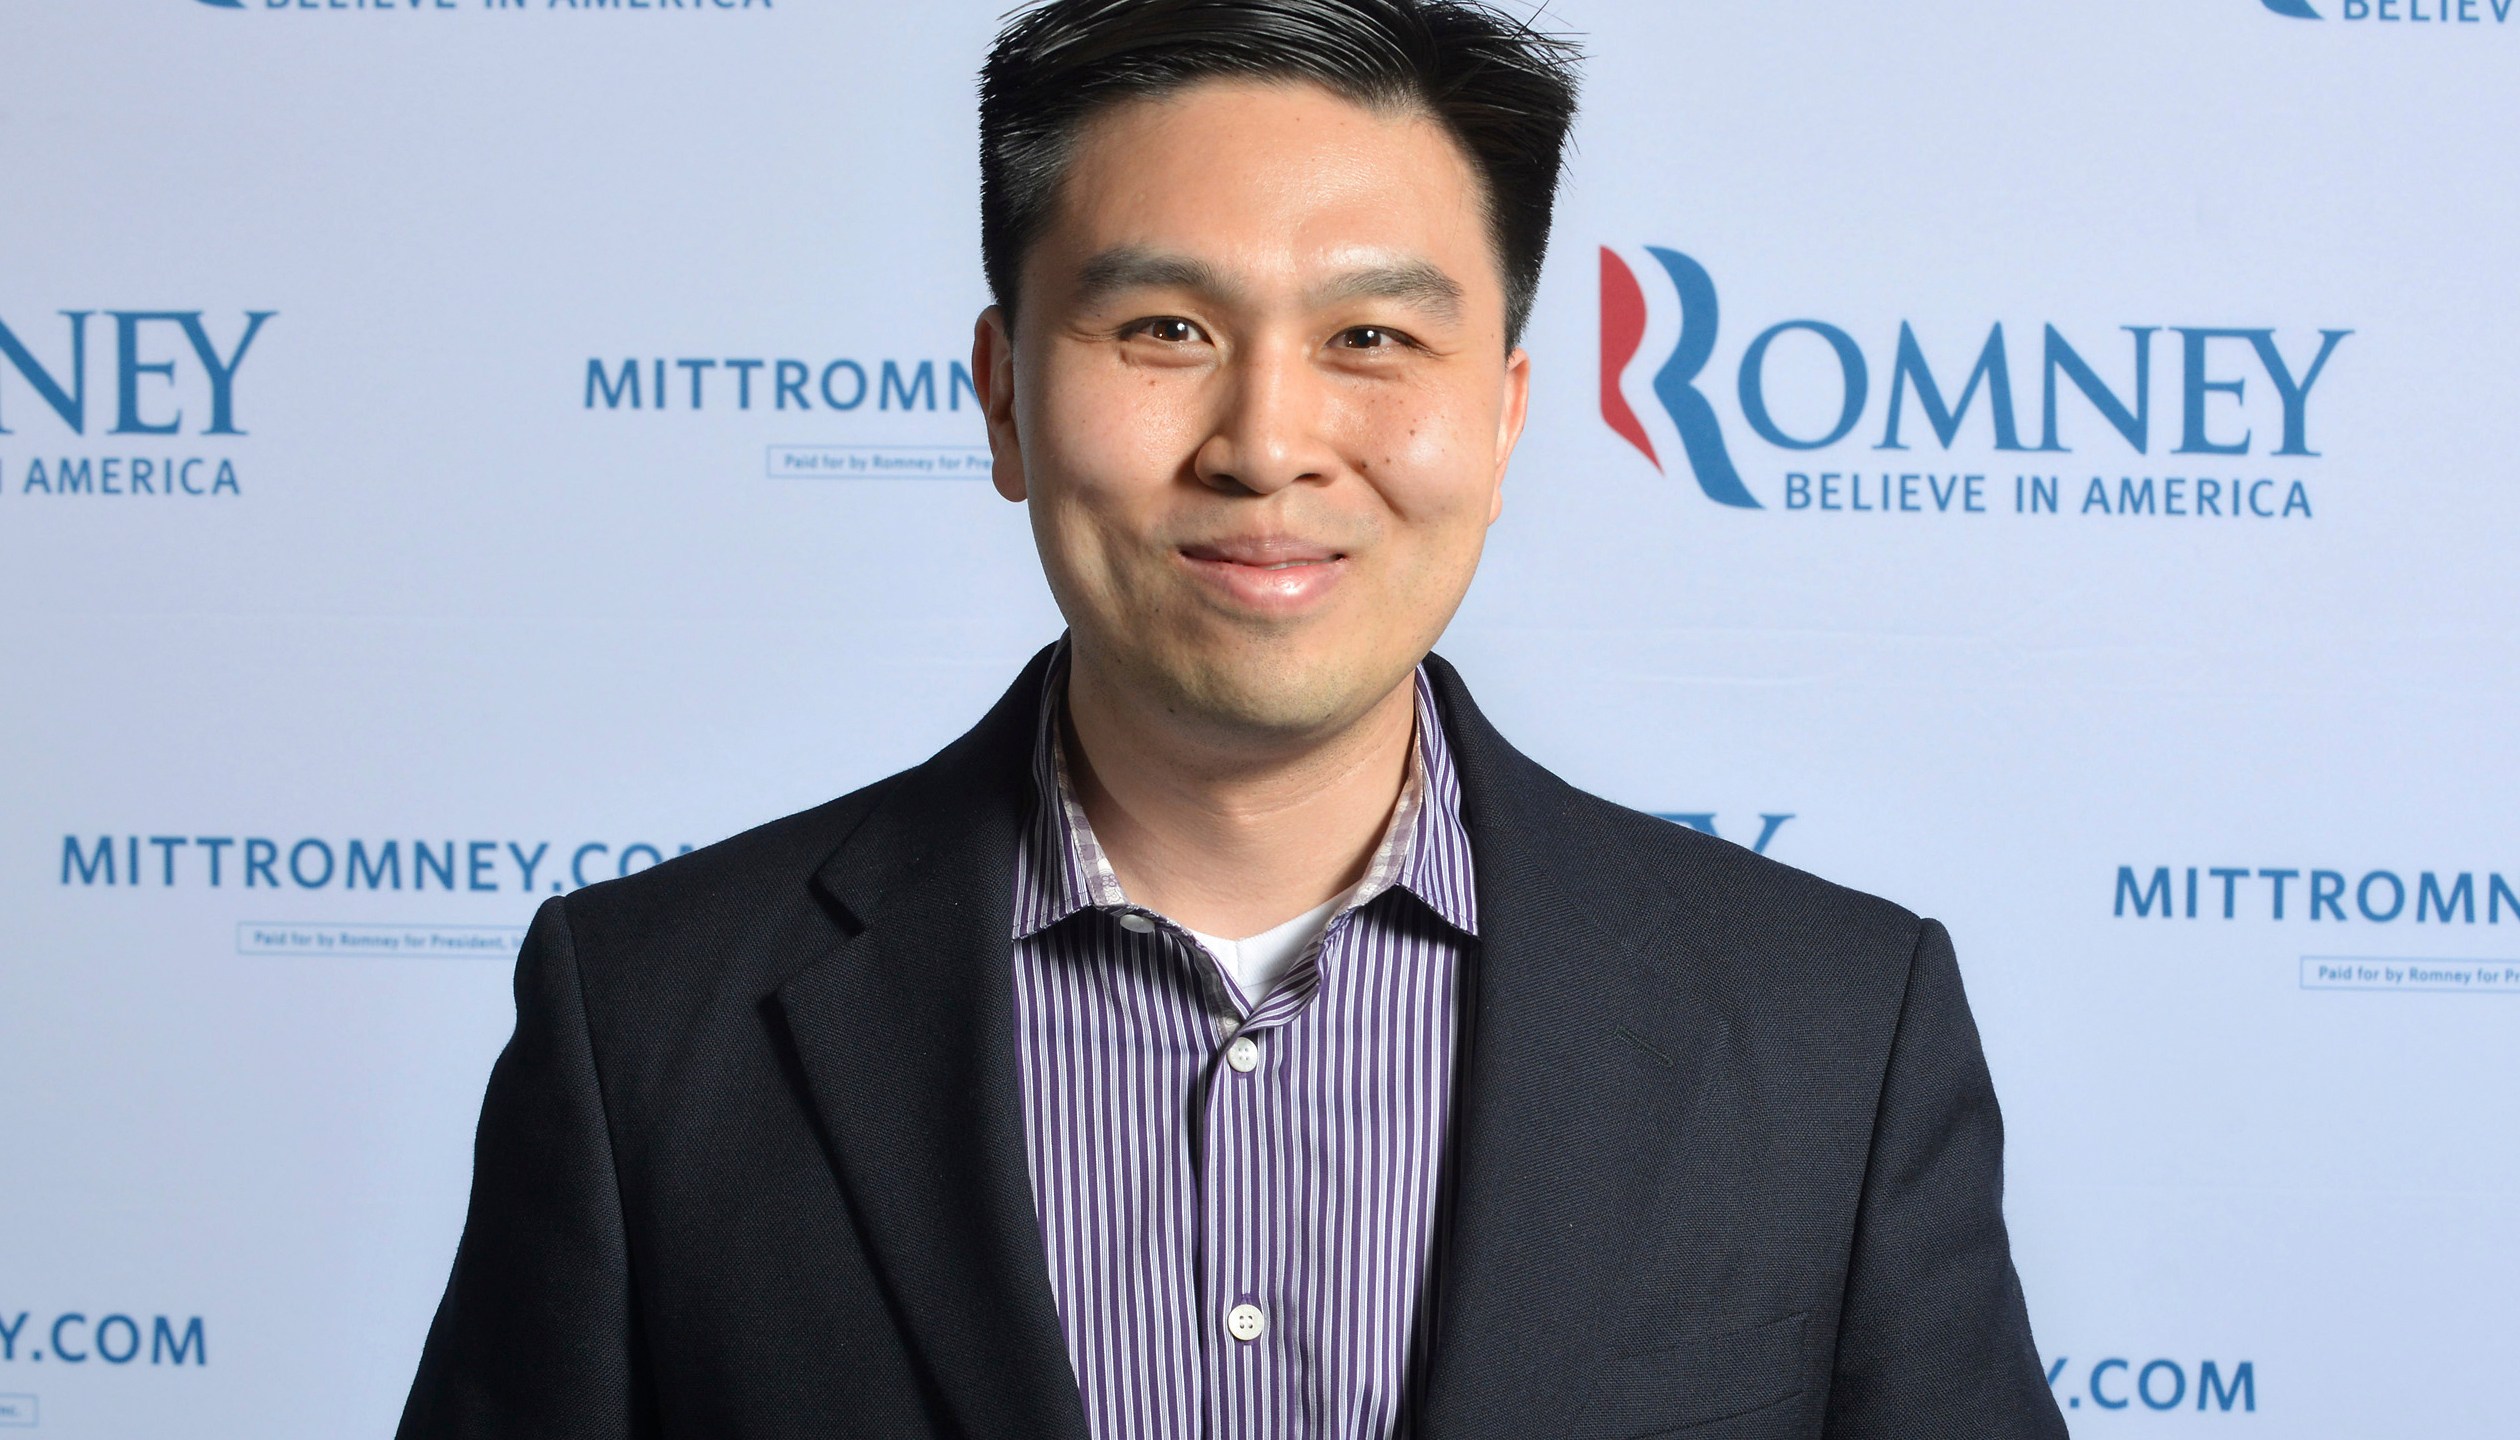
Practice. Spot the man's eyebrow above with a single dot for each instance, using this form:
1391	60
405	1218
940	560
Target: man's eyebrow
1417	283
1128	267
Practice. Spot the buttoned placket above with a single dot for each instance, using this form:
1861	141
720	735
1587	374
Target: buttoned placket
1244	1109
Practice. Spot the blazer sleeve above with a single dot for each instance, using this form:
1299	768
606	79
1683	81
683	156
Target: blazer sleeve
1933	1338
535	1336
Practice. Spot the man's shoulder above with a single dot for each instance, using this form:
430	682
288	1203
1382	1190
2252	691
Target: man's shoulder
1777	946
743	914
719	900
1655	879
1653	860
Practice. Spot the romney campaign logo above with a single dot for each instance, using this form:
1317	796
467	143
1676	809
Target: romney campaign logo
371	862
2160	1385
843	417
160	423
390	894
2392	907
100	1337
2207	421
2406	12
2310	894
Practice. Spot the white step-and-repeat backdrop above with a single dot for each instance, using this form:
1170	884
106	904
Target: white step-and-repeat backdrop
2050	464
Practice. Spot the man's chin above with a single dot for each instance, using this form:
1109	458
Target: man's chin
1270	690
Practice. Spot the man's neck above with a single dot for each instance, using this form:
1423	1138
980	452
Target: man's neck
1232	836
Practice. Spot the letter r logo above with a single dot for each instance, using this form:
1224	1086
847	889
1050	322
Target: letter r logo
1624	313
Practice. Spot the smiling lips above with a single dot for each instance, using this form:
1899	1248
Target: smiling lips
1275	574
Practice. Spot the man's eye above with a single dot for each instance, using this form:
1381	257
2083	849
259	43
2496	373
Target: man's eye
1368	337
1170	329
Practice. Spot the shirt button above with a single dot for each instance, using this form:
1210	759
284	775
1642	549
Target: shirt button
1243	1055
1245	1322
1136	924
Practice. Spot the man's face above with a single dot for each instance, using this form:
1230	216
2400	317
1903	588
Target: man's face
1259	400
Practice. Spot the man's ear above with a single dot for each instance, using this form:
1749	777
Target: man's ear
1509	423
993	375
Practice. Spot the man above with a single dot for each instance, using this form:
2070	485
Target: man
1232	1035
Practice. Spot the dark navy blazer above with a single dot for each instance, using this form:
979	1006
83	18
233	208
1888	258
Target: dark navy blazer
752	1165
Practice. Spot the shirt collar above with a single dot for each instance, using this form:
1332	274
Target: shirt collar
1424	849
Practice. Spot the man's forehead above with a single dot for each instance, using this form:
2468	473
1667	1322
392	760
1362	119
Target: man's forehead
1307	190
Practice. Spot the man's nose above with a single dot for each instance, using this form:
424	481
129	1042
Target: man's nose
1271	426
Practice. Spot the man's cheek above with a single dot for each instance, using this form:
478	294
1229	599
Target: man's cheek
1120	455
1437	498
1425	466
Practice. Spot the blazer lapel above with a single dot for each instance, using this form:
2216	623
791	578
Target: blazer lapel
1583	1066
905	1034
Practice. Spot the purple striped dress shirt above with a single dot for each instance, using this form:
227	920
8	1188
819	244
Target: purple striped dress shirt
1242	1238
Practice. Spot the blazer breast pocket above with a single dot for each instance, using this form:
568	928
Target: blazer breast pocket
1698	1381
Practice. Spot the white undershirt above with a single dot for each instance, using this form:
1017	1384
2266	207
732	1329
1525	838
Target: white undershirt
1258	962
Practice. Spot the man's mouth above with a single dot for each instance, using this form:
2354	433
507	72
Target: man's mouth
1267	574
1264	552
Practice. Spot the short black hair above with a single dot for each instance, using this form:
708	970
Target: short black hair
1503	90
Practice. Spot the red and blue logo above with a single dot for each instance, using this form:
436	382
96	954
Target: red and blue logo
1805	384
1623	325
